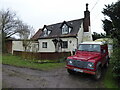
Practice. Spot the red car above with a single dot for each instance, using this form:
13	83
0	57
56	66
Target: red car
89	58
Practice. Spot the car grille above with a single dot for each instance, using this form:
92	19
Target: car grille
80	64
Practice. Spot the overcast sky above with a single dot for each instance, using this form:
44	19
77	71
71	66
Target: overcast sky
38	13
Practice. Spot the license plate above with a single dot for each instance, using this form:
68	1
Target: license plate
78	70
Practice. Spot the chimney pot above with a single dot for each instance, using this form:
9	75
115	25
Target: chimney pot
87	6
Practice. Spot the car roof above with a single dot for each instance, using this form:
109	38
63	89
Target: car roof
93	42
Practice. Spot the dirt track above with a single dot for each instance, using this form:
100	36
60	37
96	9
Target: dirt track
15	77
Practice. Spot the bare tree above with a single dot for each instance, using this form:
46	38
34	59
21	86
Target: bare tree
26	33
10	25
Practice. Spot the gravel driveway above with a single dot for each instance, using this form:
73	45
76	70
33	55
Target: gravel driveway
16	77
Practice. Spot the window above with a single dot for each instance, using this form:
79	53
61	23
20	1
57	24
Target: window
64	44
65	29
46	32
89	47
44	44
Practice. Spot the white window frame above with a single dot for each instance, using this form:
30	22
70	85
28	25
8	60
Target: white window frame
65	44
44	44
46	32
65	29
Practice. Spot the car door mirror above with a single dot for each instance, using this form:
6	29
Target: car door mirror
74	51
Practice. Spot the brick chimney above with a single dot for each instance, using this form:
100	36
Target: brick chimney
86	22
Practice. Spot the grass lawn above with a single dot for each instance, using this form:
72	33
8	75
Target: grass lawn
109	81
18	61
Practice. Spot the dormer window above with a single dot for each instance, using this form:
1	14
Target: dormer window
65	29
46	32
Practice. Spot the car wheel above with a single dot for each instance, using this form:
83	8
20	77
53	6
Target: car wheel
70	71
98	74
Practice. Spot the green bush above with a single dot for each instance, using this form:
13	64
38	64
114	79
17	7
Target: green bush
115	61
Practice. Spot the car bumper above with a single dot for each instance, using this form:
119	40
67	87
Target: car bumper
80	70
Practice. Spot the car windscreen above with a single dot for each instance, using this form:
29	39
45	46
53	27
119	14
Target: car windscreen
89	47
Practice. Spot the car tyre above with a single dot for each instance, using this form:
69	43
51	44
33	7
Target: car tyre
98	74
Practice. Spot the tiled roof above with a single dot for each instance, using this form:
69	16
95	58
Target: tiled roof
56	30
37	34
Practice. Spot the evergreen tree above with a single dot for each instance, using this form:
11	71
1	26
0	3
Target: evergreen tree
112	24
112	28
97	35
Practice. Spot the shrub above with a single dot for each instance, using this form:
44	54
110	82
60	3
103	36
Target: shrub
115	61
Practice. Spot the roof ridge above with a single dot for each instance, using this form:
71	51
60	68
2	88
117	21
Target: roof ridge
65	21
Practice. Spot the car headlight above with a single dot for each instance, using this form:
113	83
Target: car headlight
90	65
69	62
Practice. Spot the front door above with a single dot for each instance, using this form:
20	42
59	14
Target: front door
58	47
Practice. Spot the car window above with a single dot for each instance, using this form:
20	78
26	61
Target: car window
89	47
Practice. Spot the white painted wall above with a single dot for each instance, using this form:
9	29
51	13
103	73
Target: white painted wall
84	36
17	46
71	46
51	47
87	36
80	34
